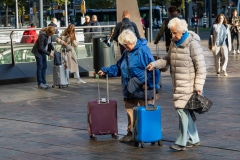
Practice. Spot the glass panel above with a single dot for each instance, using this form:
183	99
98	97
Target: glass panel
5	53
22	51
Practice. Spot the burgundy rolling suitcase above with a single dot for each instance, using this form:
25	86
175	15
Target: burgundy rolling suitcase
102	116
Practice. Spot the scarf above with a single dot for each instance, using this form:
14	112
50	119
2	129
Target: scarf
184	36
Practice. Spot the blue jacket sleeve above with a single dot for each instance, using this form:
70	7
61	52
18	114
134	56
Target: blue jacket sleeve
146	58
114	70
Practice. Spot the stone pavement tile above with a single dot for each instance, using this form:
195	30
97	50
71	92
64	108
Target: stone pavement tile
29	156
53	123
6	152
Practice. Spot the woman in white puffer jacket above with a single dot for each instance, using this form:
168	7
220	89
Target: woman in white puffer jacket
187	68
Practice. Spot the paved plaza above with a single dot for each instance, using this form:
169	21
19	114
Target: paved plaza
51	124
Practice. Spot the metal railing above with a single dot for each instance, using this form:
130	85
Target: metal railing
12	51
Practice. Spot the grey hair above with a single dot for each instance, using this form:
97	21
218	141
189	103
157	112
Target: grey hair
94	16
181	24
127	36
87	17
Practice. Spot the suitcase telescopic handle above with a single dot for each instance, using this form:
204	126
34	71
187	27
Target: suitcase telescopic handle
154	91
157	50
99	101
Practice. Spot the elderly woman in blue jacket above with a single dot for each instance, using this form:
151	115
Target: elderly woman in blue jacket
132	64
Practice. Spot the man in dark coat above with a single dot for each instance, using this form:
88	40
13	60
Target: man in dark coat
95	22
54	24
117	30
87	36
172	12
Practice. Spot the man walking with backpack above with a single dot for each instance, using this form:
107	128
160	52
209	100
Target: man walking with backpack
124	24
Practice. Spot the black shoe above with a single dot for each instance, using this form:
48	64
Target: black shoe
189	145
177	147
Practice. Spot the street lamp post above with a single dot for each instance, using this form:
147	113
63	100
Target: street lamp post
204	15
228	8
210	13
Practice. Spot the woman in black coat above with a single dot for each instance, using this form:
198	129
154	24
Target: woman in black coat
41	49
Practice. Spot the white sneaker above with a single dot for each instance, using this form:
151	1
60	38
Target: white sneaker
79	81
225	73
234	52
42	86
238	51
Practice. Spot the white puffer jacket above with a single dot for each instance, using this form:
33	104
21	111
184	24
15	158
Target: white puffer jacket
187	68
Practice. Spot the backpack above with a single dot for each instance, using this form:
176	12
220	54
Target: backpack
127	25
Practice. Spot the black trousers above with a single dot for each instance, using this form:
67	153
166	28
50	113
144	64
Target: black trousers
237	35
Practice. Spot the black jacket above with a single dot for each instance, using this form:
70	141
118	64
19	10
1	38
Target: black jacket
86	29
87	35
54	25
118	27
40	45
168	35
95	23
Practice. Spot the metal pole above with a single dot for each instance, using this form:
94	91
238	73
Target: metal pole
210	13
162	10
186	11
16	16
150	20
66	13
228	8
204	15
41	13
196	23
71	17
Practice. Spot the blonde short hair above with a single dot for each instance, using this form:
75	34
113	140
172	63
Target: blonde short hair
181	24
127	36
54	20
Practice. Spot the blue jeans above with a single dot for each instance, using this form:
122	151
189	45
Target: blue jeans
41	69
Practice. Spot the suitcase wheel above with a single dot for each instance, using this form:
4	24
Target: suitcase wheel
143	145
93	138
160	143
115	136
136	144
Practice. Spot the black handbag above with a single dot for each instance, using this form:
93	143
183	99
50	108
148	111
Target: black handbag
57	58
135	90
199	104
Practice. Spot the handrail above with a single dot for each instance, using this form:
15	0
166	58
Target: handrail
76	27
13	31
13	59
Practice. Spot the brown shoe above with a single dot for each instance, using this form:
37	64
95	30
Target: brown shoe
177	147
127	138
189	145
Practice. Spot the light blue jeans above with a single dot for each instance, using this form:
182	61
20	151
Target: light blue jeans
186	127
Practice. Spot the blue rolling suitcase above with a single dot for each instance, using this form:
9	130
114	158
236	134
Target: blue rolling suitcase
147	125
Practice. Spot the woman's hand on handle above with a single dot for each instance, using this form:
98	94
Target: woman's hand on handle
101	73
150	67
198	92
